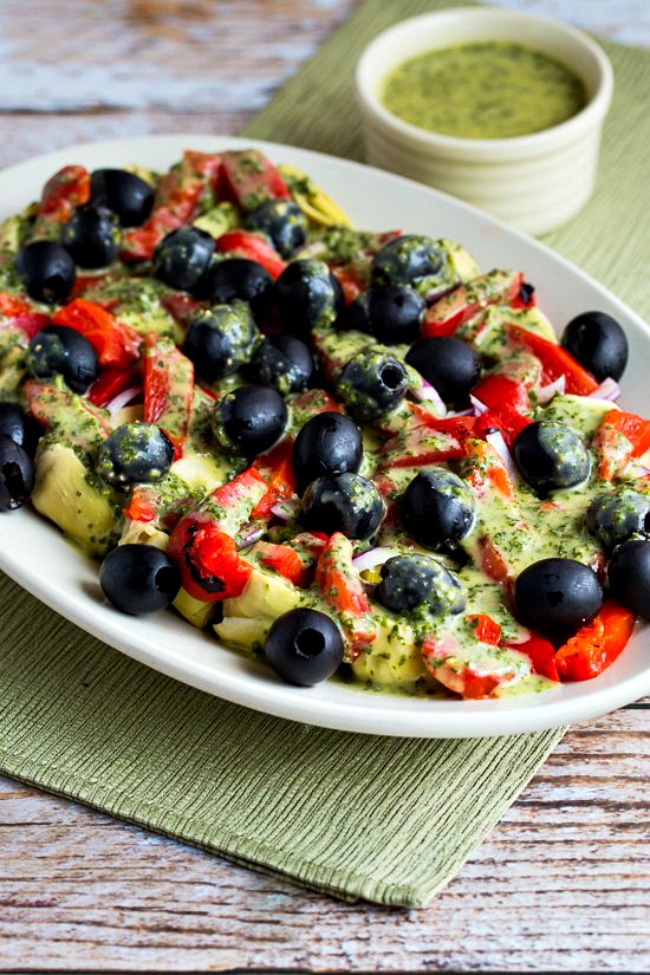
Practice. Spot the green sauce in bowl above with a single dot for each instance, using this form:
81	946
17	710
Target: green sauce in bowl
484	90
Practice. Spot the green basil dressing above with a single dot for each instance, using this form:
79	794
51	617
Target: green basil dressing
484	90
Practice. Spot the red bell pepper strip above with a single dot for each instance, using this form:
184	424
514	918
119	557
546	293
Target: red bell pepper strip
203	542
556	361
116	344
210	566
597	644
180	306
110	383
176	202
168	388
498	391
507	420
341	588
541	653
64	191
486	629
284	560
143	504
466	300
276	468
352	283
247	178
484	470
440	440
472	676
620	437
81	423
12	305
254	247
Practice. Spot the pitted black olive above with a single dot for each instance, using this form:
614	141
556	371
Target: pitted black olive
47	269
134	453
557	596
237	279
329	443
346	503
551	455
182	257
92	237
16	475
58	350
249	419
613	518
409	582
283	361
129	196
19	426
451	366
308	296
139	579
438	508
282	221
370	384
220	340
599	344
406	259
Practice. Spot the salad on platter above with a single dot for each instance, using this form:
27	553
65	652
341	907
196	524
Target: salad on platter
350	453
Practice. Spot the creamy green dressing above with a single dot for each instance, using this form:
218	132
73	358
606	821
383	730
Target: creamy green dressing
484	90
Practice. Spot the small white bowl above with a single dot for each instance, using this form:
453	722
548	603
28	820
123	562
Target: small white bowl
533	182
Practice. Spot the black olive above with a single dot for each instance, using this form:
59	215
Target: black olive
282	221
599	344
249	419
58	350
283	361
16	475
329	443
551	455
134	453
219	340
613	518
437	508
129	196
356	315
139	579
390	312
409	582
308	295
92	237
629	576
182	257
406	260
48	270
346	503
451	366
237	279
370	384
21	427
557	596
304	647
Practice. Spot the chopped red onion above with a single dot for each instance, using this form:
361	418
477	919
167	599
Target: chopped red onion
428	393
546	393
123	399
478	408
373	557
522	635
608	390
285	510
496	441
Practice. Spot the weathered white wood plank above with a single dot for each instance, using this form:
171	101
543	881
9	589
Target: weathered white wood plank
563	883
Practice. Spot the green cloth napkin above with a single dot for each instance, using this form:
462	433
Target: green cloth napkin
387	820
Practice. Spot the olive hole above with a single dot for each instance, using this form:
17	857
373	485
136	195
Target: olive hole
391	376
53	286
646	523
13	478
165	579
309	643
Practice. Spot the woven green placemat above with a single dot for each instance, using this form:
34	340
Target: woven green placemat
388	820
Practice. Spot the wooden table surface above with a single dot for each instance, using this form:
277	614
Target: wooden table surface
562	884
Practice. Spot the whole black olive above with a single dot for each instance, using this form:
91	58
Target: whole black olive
599	344
139	579
237	279
629	576
249	419
134	453
371	383
329	443
129	196
220	340
58	350
557	596
304	647
406	260
308	295
409	582
19	426
92	237
16	475
283	361
612	518
450	365
282	221
438	508
346	503
47	269
551	455
182	257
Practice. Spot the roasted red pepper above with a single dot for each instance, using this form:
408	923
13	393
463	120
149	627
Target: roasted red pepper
555	360
342	589
64	191
466	300
168	388
486	629
542	656
247	178
116	344
620	437
210	566
597	645
110	383
245	243
276	468
284	560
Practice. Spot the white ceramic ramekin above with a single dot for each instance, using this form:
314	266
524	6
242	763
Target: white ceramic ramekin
533	182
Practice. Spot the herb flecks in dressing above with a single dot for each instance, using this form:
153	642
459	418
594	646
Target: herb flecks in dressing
484	90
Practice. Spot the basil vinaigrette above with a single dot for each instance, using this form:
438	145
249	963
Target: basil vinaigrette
484	90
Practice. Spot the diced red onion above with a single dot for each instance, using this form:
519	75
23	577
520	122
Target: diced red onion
251	538
123	399
285	510
373	557
608	390
522	635
496	441
434	293
546	393
478	408
428	393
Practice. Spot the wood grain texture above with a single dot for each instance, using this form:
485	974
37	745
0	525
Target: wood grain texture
562	884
